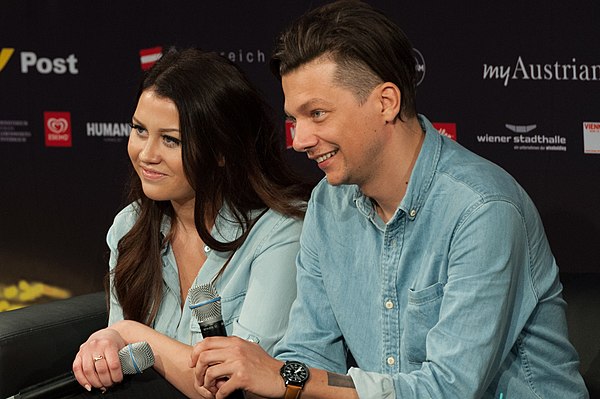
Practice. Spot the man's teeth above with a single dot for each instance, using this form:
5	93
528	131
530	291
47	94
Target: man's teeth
326	156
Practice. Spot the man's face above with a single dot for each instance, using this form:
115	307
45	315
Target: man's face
331	126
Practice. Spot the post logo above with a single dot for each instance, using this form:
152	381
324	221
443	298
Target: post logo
5	55
149	56
30	61
446	129
57	129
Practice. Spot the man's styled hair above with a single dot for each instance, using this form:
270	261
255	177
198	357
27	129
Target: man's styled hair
367	47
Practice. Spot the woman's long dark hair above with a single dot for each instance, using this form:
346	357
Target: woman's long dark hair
232	155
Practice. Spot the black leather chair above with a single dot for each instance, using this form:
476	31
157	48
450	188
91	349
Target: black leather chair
39	342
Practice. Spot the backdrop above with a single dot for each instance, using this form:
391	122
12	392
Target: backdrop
516	82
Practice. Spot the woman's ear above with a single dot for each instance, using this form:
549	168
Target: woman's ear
390	98
221	161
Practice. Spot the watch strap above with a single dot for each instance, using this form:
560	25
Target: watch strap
292	392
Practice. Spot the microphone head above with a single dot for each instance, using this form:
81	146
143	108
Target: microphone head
205	303
136	358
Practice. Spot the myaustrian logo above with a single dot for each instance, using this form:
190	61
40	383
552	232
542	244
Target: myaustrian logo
57	129
556	71
31	61
525	137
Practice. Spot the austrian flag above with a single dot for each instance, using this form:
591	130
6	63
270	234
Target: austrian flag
149	56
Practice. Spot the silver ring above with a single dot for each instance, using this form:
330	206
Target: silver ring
98	357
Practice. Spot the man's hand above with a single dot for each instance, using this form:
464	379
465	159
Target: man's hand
225	364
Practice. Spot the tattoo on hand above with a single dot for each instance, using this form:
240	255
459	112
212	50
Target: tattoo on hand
339	380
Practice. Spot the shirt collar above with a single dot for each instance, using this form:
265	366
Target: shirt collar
420	179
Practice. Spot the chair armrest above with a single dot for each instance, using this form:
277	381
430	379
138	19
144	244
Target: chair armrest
40	341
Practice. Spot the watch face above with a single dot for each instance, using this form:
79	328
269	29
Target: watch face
294	372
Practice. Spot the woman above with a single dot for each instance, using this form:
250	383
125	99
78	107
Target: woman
214	202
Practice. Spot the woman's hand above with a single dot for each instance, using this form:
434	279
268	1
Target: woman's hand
97	363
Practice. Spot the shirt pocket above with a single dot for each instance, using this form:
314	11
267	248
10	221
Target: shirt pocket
231	308
422	313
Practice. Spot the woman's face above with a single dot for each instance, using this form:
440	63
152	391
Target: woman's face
155	150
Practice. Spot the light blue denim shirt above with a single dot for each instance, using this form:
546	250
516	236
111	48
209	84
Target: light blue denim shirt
257	287
457	296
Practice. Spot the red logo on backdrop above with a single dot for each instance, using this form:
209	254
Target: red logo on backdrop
290	132
447	129
149	56
57	129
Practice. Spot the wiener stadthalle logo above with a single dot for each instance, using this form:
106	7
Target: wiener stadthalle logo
524	137
32	62
57	129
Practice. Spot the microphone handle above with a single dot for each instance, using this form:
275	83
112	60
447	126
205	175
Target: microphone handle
217	329
213	329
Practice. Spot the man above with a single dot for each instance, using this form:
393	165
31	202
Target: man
427	263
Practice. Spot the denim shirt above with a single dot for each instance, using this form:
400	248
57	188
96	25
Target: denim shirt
257	287
457	296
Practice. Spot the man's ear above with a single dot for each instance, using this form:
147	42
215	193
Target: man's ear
390	98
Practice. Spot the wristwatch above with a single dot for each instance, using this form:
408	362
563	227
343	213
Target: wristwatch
295	375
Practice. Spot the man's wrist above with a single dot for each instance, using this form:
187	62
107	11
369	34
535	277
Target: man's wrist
294	374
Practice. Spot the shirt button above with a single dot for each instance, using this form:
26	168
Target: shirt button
206	249
391	360
389	305
413	213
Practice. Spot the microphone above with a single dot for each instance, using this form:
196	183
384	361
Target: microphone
134	359
205	304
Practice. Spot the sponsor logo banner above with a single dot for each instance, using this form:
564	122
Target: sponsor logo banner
290	132
591	137
554	71
5	55
525	138
57	129
240	56
420	65
14	131
446	129
115	132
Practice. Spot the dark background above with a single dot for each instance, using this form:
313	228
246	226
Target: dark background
56	204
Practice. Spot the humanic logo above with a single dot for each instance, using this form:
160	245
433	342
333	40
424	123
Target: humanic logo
557	71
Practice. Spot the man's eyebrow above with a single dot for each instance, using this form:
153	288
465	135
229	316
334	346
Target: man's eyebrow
309	105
